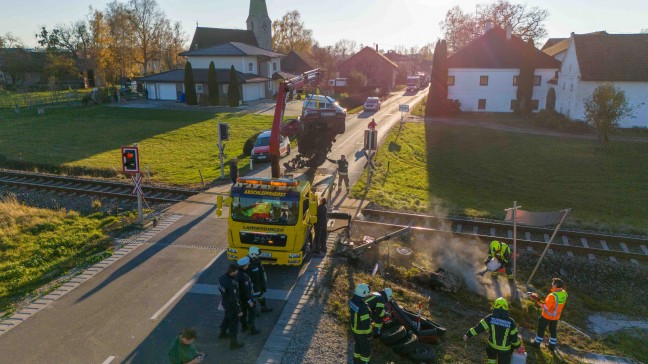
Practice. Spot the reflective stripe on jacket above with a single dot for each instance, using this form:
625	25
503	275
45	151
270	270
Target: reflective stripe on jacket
553	304
503	332
376	303
360	316
504	255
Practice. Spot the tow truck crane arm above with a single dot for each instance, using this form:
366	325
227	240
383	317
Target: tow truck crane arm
285	87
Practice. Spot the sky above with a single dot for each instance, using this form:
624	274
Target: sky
388	23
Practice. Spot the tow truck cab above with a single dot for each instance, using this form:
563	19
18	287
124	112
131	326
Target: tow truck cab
275	215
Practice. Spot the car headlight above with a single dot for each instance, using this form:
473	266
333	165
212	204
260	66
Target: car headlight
294	255
232	250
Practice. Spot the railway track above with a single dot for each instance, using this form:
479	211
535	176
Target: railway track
92	187
593	245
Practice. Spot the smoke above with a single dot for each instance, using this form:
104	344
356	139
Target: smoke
463	257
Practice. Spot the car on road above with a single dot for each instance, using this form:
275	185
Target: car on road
322	107
372	104
261	150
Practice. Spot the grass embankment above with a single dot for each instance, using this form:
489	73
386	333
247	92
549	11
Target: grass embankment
175	144
457	312
458	170
39	245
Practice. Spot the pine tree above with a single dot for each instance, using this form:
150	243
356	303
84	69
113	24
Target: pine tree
525	80
212	84
233	92
190	85
430	104
438	81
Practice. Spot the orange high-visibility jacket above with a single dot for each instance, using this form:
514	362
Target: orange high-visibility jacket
553	305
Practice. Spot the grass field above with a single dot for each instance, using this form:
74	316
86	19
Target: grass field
446	169
39	245
175	145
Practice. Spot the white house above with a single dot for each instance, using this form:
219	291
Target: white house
483	75
247	50
597	58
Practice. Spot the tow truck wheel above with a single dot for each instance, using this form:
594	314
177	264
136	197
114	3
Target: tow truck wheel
406	345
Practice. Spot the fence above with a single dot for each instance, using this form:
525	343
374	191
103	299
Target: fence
40	99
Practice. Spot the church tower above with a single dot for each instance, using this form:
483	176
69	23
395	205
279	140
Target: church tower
259	23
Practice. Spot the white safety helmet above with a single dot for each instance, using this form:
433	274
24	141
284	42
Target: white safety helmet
243	261
388	293
362	290
254	252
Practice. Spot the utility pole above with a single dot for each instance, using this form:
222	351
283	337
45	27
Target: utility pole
138	191
220	152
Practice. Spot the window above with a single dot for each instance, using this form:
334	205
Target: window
451	80
515	80
225	88
514	104
274	66
199	88
535	104
537	80
250	67
483	80
481	104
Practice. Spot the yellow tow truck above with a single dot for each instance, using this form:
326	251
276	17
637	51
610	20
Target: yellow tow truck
275	215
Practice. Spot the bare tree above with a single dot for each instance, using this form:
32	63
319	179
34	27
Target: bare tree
461	28
151	27
344	48
175	44
289	34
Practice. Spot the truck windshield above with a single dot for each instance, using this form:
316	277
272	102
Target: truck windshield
265	206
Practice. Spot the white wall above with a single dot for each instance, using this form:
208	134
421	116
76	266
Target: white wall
239	63
499	92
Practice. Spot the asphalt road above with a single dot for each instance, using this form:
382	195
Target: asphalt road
131	311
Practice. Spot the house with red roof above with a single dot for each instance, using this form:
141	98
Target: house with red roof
379	70
483	75
596	58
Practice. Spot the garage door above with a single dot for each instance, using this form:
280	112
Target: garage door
152	95
168	91
252	91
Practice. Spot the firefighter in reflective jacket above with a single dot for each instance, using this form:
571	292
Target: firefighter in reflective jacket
502	252
361	324
376	302
503	333
552	307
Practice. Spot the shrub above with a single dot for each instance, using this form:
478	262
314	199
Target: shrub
549	119
249	145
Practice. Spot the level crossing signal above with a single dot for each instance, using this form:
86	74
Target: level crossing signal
130	159
371	139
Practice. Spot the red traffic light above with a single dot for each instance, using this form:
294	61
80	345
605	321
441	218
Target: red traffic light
130	160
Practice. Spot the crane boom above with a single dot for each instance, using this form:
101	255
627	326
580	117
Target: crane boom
285	87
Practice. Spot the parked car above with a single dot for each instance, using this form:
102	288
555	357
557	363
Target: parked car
372	104
261	150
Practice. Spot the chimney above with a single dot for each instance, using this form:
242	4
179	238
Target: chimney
376	47
509	31
488	26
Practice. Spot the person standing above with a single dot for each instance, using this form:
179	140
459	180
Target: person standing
361	324
502	333
372	125
343	172
321	226
246	299
259	278
376	302
229	290
552	307
182	349
234	170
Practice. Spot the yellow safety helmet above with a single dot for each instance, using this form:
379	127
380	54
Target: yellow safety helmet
496	245
501	303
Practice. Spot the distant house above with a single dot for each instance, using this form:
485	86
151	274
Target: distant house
596	58
483	75
20	67
247	50
254	65
300	62
379	70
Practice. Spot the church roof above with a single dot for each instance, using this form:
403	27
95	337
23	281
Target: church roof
231	49
207	37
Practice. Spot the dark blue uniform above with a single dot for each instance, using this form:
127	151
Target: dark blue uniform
361	327
245	299
229	290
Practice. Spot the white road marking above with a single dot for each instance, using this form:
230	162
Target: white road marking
109	360
271	294
182	290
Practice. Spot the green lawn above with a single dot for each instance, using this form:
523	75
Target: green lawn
174	144
39	245
8	99
446	169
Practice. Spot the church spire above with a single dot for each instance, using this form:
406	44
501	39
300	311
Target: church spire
259	23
